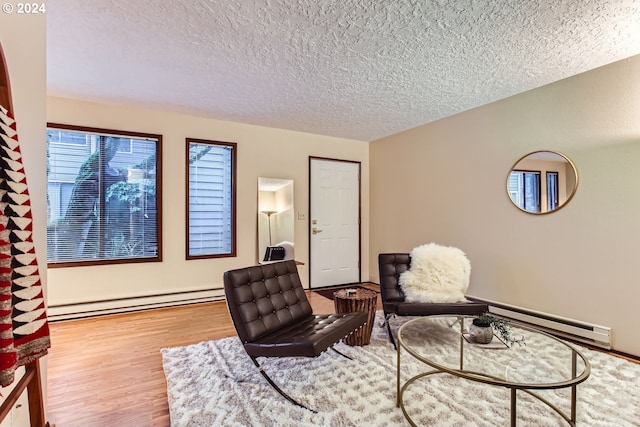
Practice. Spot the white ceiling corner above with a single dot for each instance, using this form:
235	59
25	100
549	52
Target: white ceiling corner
359	69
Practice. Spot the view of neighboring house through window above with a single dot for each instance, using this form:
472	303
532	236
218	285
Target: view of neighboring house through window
102	196
524	189
210	199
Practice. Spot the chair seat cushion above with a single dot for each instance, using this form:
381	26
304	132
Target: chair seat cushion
402	308
308	337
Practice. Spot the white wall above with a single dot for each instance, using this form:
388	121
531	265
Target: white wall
445	182
262	152
24	44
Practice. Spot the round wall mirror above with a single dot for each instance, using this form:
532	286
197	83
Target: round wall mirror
542	182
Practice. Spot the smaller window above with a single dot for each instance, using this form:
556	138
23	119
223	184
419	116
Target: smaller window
55	136
211	205
125	146
552	191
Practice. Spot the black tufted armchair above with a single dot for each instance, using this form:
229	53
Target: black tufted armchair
273	317
390	267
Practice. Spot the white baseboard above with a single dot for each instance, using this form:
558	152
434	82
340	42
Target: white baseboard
96	308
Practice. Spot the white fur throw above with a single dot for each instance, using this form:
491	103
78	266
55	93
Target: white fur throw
437	274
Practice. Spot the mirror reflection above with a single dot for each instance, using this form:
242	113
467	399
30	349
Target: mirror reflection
275	219
542	182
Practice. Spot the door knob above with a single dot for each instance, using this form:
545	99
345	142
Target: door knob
316	230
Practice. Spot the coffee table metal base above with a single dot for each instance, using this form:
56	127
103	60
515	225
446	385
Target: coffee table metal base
492	380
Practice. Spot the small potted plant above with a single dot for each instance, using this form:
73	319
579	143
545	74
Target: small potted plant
481	330
483	327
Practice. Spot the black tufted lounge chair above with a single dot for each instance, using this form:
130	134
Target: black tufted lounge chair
390	267
273	317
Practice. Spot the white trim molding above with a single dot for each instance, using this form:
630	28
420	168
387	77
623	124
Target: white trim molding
95	308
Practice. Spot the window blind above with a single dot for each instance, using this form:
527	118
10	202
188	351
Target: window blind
101	197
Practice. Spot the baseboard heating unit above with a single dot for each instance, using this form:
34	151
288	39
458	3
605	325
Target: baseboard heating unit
596	335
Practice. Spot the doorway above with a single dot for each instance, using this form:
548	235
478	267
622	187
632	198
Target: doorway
334	222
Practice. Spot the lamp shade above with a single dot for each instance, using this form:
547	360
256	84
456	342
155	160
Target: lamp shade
267	201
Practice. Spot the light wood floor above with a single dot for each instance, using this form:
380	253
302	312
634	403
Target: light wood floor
107	371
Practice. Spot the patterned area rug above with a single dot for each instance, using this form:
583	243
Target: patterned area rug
214	383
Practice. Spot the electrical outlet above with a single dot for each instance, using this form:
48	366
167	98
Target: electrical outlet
302	216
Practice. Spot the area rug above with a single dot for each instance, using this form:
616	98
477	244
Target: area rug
328	293
214	383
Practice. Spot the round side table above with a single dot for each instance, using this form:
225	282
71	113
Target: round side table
359	299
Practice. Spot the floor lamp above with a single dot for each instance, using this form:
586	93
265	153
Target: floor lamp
268	214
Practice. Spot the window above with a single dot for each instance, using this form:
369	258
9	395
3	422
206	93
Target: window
103	189
524	189
211	205
55	136
125	146
552	191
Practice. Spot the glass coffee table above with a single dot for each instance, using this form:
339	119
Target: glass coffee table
541	362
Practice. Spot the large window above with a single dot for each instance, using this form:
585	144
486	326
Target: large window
211	177
103	190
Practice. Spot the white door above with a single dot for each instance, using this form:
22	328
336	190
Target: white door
334	222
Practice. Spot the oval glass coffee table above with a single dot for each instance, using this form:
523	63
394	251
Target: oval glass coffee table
541	362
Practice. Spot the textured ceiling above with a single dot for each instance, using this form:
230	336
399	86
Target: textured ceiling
360	69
